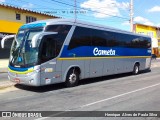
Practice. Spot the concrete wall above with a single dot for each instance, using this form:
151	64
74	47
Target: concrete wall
9	24
9	14
146	29
139	28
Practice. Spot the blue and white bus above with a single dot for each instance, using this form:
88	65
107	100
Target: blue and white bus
61	50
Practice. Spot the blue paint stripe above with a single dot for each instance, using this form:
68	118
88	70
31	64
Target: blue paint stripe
19	69
27	26
86	51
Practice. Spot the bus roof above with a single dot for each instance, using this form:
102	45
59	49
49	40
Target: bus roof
81	23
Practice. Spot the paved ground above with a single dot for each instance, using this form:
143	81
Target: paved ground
124	92
3	65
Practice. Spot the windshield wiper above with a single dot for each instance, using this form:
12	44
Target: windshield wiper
17	53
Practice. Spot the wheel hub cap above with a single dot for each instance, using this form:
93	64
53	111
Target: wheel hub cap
72	78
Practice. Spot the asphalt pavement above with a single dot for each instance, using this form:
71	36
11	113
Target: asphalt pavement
4	82
123	92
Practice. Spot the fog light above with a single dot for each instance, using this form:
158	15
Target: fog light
31	81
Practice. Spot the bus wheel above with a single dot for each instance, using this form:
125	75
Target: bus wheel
72	78
136	69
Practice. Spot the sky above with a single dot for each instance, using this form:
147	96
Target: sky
112	13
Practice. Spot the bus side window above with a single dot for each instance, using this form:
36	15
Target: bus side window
98	38
81	37
111	39
48	49
149	43
62	32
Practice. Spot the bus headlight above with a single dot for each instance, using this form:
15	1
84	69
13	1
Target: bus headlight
35	71
31	81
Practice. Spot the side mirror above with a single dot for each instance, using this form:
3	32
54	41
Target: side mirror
39	36
6	41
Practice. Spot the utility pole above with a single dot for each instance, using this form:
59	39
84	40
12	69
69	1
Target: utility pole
75	10
131	16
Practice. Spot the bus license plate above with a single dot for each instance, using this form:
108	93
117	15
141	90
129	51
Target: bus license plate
17	80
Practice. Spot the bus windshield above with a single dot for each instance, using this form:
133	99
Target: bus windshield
22	53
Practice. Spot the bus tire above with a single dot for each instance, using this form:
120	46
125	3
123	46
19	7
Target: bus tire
136	69
72	78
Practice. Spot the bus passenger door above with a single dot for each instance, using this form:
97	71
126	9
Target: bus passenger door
48	60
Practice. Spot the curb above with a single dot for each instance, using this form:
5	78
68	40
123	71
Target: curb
6	84
154	66
3	70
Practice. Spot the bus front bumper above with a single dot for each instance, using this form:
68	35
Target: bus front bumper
31	79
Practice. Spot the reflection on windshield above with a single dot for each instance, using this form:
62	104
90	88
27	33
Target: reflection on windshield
22	53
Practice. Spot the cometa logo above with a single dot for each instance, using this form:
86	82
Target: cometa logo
98	52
